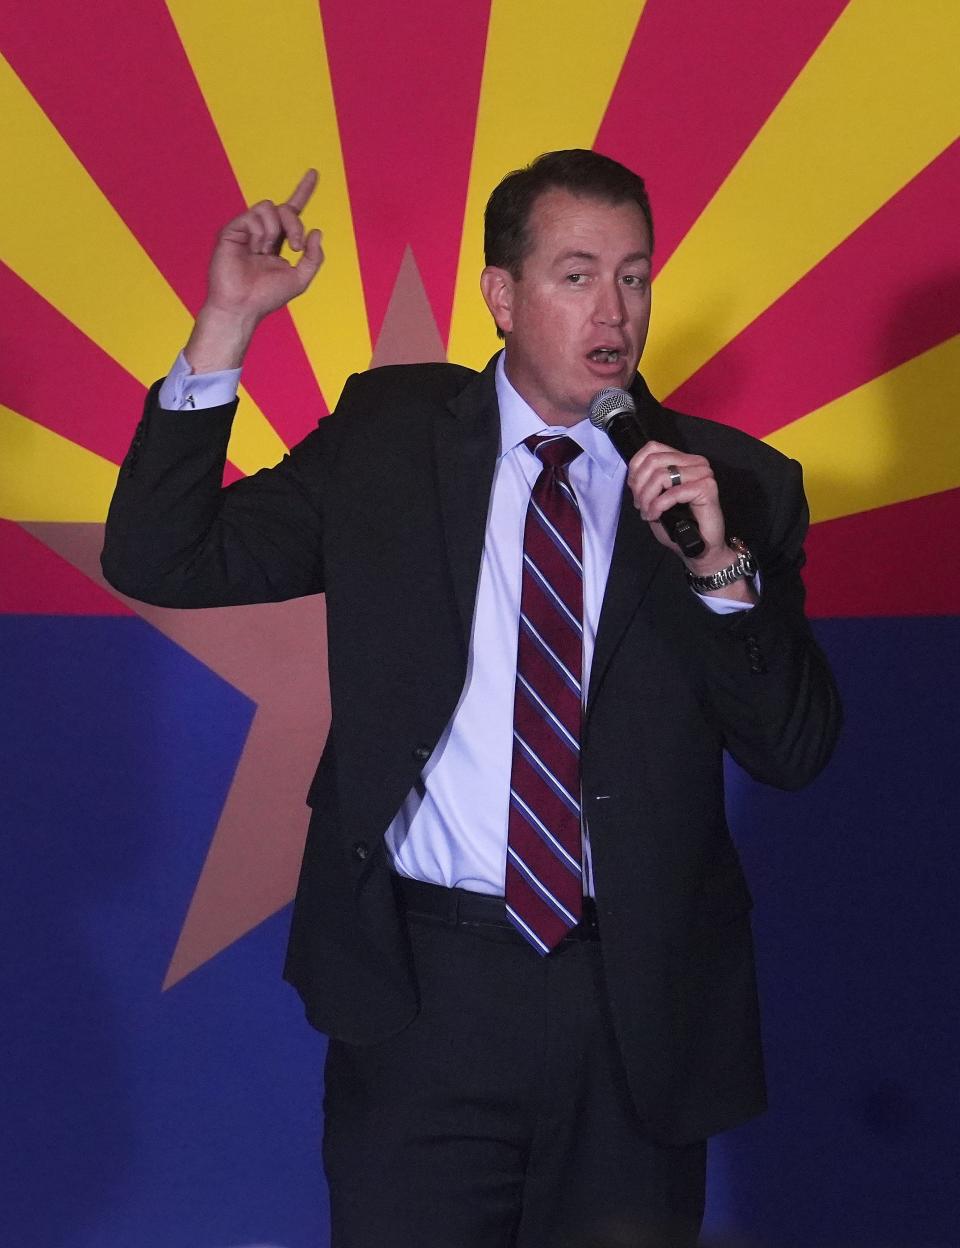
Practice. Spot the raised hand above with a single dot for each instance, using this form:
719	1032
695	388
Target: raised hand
248	279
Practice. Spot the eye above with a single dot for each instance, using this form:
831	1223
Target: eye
577	279
635	281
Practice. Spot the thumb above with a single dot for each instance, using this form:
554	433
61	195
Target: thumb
308	266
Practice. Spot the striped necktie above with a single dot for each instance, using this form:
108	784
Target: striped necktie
544	875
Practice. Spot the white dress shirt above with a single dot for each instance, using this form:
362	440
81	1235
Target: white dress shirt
452	827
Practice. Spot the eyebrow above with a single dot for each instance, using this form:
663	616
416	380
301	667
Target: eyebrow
633	257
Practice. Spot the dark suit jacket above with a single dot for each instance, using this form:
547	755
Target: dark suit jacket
384	508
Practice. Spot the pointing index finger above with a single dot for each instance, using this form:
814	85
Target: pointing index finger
305	188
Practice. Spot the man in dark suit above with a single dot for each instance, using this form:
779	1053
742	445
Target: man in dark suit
521	918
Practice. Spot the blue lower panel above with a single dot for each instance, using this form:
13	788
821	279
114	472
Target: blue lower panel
192	1118
131	1116
856	882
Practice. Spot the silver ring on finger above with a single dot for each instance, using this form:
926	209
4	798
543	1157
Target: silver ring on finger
674	472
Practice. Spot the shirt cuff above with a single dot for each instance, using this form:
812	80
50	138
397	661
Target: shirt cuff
184	389
729	606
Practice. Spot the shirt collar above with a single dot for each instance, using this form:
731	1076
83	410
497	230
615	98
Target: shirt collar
518	420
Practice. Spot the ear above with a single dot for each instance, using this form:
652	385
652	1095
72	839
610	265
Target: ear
496	285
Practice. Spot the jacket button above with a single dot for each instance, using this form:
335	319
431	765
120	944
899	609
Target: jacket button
421	753
361	850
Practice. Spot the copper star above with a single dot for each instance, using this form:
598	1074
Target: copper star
276	655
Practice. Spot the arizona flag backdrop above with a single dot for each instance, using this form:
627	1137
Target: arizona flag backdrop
160	1086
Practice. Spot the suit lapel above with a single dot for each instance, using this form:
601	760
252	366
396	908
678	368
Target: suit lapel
467	440
636	557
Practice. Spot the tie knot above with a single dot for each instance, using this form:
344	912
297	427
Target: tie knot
554	450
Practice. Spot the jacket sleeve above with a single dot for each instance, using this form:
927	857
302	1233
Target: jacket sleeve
770	689
175	538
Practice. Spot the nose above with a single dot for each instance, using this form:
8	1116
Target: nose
609	308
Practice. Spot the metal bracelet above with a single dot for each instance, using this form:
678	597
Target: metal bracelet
743	565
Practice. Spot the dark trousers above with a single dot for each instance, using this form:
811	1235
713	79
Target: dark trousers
500	1118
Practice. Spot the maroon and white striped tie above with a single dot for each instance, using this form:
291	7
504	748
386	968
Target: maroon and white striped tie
544	879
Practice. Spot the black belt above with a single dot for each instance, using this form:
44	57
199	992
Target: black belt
457	907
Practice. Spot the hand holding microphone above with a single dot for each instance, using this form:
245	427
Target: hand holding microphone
675	491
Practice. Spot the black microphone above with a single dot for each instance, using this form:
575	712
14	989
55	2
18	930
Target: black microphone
615	412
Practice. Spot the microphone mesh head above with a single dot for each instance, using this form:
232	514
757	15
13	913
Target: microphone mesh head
606	404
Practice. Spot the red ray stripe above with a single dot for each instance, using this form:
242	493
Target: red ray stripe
115	81
406	79
35	581
888	292
897	560
52	373
699	80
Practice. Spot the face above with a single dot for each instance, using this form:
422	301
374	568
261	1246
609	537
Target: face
576	319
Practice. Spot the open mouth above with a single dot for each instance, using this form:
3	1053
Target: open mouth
605	355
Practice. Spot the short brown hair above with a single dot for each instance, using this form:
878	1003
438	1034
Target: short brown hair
506	241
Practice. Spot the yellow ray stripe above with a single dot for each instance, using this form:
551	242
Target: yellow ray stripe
546	85
264	74
877	101
896	437
44	476
62	236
